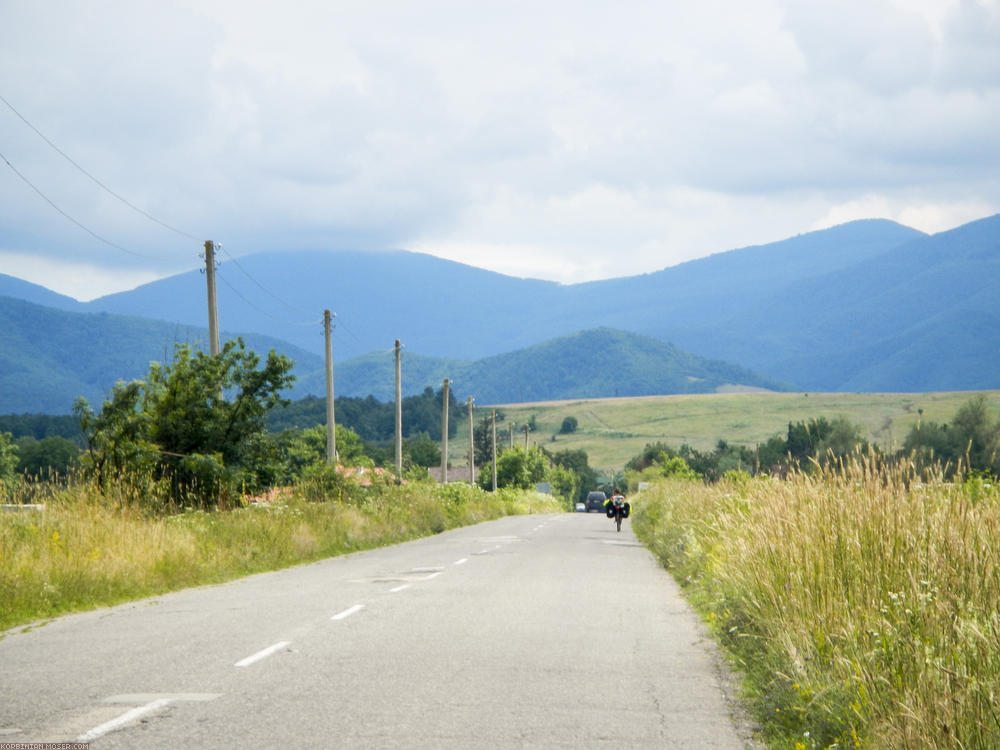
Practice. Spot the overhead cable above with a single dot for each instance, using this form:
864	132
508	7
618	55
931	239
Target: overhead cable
97	181
263	288
86	229
235	291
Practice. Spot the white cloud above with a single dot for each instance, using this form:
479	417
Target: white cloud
81	281
926	216
560	139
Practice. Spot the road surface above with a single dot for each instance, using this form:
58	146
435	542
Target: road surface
527	632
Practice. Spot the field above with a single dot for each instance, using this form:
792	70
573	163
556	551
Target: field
614	430
861	604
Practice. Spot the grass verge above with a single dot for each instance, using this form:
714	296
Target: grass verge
81	553
861	605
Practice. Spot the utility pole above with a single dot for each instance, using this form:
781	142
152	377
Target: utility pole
399	416
494	442
213	307
472	446
444	432
331	425
526	428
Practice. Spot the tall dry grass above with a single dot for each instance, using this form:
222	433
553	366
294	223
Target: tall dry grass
863	603
87	550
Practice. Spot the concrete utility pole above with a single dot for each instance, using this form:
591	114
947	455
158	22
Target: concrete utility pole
399	416
213	307
331	424
472	445
494	442
444	432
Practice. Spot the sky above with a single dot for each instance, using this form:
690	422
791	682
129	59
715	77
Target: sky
563	140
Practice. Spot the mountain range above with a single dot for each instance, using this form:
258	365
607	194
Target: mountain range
866	306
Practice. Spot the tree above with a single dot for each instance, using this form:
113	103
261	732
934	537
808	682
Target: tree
569	425
118	445
423	451
48	456
197	423
8	463
972	435
843	437
979	437
565	484
517	468
298	450
577	462
483	439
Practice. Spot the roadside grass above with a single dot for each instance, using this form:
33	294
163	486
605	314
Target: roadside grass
613	430
85	551
862	604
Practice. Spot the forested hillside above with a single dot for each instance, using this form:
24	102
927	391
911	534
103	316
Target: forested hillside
869	305
49	357
445	309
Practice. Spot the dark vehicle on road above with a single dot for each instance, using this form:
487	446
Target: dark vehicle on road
595	501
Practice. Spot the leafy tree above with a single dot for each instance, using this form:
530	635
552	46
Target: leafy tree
979	435
298	450
675	467
482	436
517	468
569	425
565	484
8	463
577	462
841	440
423	451
197	423
973	436
48	456
118	445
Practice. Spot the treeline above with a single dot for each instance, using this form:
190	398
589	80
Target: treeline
205	431
371	419
969	443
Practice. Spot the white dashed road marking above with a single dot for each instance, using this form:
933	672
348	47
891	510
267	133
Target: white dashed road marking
261	654
126	718
348	612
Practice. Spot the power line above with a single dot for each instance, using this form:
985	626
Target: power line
89	231
350	332
264	288
235	291
97	181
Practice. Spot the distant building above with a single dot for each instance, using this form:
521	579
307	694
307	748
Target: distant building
455	473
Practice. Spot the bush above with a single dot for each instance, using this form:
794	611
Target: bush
569	425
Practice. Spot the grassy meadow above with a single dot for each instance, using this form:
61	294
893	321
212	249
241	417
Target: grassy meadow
613	430
862	604
85	550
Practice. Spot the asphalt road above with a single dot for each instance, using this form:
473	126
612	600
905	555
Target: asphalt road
532	631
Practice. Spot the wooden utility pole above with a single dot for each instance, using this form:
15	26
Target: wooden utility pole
444	432
331	425
213	307
399	416
494	443
472	445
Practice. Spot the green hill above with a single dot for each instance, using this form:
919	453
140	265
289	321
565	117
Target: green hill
48	357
